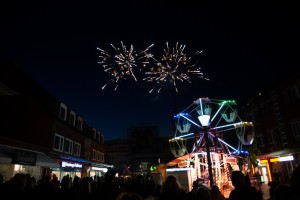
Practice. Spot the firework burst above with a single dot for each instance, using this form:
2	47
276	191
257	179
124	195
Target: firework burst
123	63
174	66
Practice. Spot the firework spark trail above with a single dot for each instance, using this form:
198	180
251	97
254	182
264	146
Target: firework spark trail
174	66
123	62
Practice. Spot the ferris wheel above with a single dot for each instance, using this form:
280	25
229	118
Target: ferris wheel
222	117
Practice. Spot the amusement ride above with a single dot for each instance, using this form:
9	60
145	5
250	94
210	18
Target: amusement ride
199	144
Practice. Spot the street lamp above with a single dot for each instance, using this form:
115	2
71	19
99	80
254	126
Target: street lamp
204	120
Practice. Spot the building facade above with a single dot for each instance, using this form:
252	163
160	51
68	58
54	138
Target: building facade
41	135
142	149
275	113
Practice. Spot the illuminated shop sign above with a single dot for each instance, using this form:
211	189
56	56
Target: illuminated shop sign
282	159
278	159
99	169
22	157
263	161
72	165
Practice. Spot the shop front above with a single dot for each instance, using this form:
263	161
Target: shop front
278	166
70	169
16	160
98	169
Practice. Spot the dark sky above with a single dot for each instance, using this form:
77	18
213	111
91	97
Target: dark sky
245	47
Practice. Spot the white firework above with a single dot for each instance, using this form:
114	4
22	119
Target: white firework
123	63
174	66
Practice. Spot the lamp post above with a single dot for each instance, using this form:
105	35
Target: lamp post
204	120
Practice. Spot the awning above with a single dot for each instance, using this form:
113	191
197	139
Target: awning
42	160
283	152
5	158
179	159
72	159
94	164
45	161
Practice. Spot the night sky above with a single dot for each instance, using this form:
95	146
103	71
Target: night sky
245	48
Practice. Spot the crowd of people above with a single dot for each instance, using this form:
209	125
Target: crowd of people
282	191
139	188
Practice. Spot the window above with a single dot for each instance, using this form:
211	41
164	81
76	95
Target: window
63	111
97	155
79	123
68	148
102	139
283	137
77	149
94	154
102	157
296	129
72	118
291	94
98	136
94	133
271	137
58	142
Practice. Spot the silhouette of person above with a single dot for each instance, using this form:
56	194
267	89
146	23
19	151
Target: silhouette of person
295	183
216	194
241	189
172	189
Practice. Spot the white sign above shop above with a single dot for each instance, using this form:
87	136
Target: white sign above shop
72	165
